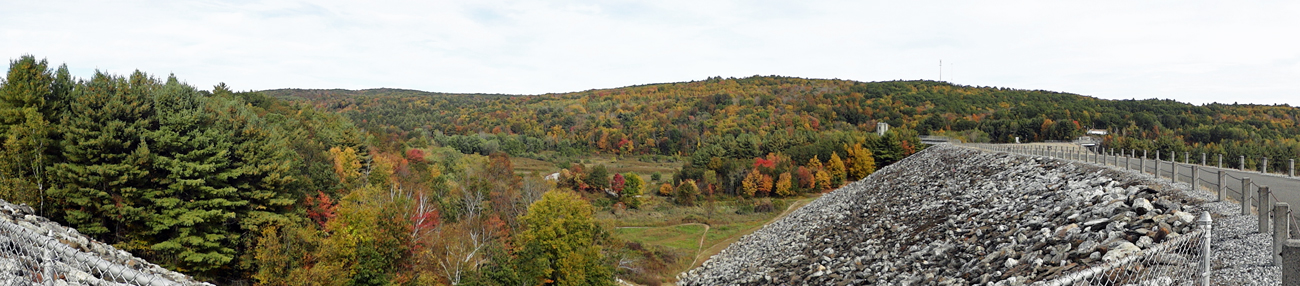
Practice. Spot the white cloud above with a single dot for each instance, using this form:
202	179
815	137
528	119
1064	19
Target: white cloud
1196	51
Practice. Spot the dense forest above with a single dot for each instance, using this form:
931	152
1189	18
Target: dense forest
386	186
764	114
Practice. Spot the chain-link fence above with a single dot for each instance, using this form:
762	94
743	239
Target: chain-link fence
31	258
1178	261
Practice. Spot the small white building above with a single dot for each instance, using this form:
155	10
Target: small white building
1097	132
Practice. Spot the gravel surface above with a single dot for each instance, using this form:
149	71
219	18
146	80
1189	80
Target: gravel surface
958	216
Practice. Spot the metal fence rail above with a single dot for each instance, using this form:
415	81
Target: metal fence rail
30	258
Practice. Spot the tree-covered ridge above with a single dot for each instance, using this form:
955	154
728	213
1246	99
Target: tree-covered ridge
183	177
241	188
773	113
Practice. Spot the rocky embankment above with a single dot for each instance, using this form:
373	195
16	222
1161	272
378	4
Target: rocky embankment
957	216
25	261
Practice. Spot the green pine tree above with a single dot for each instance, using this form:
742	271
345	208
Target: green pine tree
102	180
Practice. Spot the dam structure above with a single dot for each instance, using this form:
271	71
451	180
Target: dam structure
956	215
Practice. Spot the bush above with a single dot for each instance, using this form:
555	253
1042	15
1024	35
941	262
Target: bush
686	193
692	218
763	206
744	207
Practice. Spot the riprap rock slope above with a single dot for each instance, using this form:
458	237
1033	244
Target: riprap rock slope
958	216
23	262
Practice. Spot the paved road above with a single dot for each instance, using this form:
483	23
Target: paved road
1282	186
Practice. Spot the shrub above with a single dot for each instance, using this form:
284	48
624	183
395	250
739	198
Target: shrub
686	193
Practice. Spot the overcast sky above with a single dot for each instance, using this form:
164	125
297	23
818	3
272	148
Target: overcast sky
1191	51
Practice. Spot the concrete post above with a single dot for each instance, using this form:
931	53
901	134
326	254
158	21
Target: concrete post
1127	159
1221	185
1242	166
1196	177
1245	195
1220	161
1187	157
1142	165
1261	205
1202	159
1290	263
1173	171
1291	168
1280	227
1156	163
1263	166
1205	223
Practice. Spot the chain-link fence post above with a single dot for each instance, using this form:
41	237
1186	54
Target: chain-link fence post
1281	225
1263	166
1205	223
1242	166
1220	161
1202	159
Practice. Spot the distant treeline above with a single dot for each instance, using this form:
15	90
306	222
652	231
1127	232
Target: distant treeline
767	114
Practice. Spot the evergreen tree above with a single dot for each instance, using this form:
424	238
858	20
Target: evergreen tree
30	96
103	180
598	179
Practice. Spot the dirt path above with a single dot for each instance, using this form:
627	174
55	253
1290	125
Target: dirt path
718	247
698	248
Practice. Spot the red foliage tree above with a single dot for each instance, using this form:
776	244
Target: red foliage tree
415	155
321	209
805	177
617	183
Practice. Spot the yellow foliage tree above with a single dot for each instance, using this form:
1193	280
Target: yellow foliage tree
814	163
764	184
861	163
347	164
823	180
784	186
835	168
666	189
749	185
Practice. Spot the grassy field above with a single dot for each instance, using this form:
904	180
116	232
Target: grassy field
680	229
613	163
690	233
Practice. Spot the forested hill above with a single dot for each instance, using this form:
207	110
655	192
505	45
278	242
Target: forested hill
772	113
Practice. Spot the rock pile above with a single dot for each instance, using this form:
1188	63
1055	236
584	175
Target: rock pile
957	216
25	261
